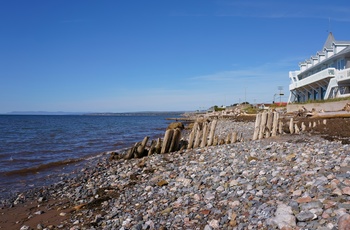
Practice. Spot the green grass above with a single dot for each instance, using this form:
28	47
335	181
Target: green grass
251	110
216	108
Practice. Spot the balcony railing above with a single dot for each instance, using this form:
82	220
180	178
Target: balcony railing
324	74
343	75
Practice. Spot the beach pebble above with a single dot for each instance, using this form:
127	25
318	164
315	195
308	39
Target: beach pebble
344	222
286	182
306	216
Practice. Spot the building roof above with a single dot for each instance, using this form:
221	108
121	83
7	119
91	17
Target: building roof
328	46
344	51
329	41
319	53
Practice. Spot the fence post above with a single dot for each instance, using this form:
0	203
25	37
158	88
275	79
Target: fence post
167	140
212	132
269	125
257	126
291	126
205	134
198	138
174	146
234	137
275	123
262	125
192	135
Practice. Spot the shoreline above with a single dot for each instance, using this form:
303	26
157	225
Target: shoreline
232	186
37	149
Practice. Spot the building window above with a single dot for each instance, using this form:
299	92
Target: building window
341	64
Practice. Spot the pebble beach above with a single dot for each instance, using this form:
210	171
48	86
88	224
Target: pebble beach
287	182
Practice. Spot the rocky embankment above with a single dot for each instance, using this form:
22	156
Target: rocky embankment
287	182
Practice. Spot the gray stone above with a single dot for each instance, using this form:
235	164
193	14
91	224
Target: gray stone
306	216
283	216
311	205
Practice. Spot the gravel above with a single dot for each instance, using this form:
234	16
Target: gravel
290	182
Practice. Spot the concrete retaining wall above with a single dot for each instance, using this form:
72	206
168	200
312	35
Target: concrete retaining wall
326	106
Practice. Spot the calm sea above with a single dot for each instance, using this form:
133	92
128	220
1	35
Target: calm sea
35	149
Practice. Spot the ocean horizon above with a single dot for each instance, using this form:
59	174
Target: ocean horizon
93	113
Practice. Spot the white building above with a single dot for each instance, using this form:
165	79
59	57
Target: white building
325	75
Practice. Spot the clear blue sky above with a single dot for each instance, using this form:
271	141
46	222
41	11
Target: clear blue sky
158	55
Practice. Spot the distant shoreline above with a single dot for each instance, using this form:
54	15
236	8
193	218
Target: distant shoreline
144	113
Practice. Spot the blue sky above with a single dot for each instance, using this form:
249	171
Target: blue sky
156	55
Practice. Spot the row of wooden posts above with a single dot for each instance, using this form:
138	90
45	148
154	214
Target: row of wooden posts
170	143
294	128
202	134
268	124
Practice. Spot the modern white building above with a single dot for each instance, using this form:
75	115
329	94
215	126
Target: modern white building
325	75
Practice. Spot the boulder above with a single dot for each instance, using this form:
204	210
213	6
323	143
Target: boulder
176	125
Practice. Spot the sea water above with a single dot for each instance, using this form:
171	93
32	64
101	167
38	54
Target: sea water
34	149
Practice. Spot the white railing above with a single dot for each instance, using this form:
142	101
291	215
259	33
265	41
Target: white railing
326	73
343	75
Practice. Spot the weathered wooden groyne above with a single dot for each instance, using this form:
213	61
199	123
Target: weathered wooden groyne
270	124
202	134
267	124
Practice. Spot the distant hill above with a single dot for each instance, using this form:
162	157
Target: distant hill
144	113
42	113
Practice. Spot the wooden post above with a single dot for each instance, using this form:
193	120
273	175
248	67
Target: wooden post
257	126
262	124
132	151
314	124
296	128
192	135
240	138
205	134
141	147
303	126
158	146
234	137
291	126
228	138
198	138
216	141
174	146
275	124
280	127
212	132
152	148
167	141
268	131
